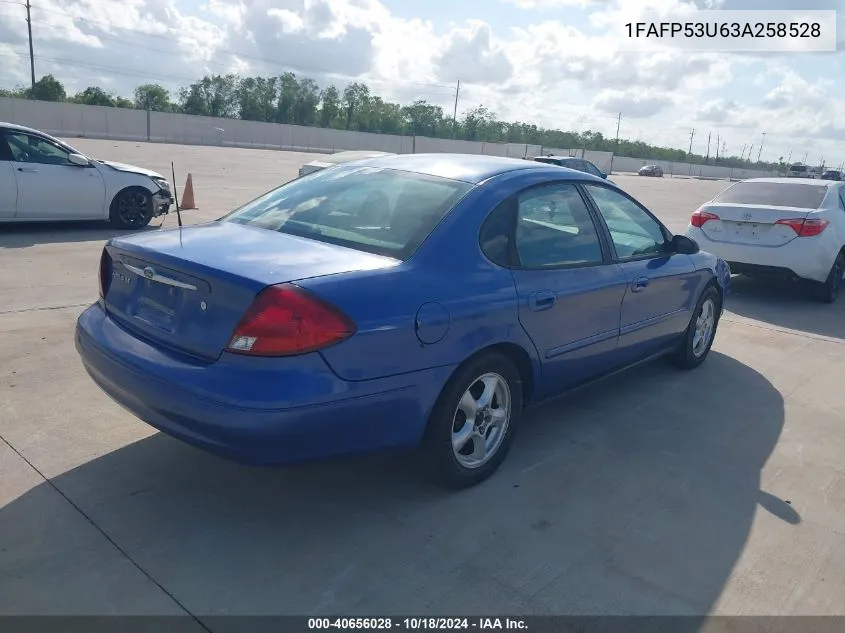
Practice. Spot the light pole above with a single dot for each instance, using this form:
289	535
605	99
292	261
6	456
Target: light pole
760	151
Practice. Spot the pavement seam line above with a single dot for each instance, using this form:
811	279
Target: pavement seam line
783	330
114	544
21	310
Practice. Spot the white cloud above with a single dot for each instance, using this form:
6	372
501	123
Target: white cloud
550	68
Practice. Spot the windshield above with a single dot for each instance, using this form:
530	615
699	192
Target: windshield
370	209
798	168
774	194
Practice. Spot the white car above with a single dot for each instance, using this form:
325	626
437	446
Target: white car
336	159
778	226
44	179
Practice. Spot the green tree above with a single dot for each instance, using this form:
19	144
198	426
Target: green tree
213	95
257	98
307	100
355	96
153	97
48	88
424	119
14	93
94	95
329	107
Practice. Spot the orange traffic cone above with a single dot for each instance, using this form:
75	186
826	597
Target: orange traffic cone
188	195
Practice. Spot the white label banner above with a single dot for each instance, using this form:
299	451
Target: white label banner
800	31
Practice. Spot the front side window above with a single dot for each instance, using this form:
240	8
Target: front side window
371	209
633	231
554	228
33	149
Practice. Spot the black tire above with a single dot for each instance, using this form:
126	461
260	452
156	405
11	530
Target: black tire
132	209
437	453
686	356
828	292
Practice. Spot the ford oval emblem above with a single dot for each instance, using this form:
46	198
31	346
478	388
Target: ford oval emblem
149	272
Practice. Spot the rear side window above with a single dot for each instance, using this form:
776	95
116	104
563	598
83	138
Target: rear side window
774	194
371	209
494	237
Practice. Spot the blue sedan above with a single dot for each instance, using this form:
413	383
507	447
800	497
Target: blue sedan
416	300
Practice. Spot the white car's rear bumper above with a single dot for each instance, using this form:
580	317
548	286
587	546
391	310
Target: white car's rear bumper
805	257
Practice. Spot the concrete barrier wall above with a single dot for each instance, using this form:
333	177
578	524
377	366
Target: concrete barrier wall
72	119
632	165
75	120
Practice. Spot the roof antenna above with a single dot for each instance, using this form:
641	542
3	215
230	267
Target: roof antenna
176	195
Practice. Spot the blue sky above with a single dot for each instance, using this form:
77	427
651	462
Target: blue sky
556	63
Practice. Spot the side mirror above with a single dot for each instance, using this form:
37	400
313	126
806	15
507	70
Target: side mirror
603	175
684	245
78	160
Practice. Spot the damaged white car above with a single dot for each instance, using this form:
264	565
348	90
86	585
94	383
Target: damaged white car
43	179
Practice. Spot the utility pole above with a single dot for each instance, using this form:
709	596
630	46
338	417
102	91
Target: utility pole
455	112
616	144
789	158
707	159
31	55
724	148
718	145
804	162
750	149
689	153
742	155
760	151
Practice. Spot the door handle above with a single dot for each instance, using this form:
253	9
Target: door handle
542	300
639	284
29	170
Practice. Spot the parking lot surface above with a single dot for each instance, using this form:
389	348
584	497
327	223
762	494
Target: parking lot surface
720	490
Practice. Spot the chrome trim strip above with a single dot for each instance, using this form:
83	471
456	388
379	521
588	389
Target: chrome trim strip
160	278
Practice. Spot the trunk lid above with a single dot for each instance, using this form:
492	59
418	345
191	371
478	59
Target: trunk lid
187	288
751	224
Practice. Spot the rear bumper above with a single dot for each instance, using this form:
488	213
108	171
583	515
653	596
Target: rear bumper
173	396
805	258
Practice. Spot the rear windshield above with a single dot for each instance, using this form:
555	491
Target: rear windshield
774	194
548	161
370	209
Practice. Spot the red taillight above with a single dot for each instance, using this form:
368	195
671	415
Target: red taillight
700	217
285	320
805	228
105	273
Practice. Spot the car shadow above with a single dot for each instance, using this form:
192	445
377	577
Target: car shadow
26	234
634	496
785	304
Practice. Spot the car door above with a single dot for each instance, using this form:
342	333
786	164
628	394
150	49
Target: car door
8	185
49	186
661	284
569	289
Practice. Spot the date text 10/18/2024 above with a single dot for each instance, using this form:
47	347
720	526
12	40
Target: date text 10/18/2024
417	624
808	31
